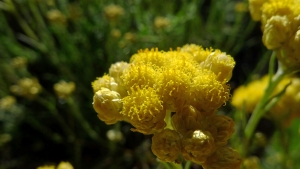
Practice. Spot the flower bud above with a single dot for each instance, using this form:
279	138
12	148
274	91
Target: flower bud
197	146
166	145
108	105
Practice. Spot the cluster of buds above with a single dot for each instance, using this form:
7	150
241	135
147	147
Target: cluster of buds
64	89
61	165
281	28
173	95
27	87
283	112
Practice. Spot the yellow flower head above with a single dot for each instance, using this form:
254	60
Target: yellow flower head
152	56
27	87
106	82
113	12
221	128
19	62
197	146
46	167
166	145
64	89
140	75
197	52
161	22
246	97
221	64
251	163
7	102
116	71
64	165
108	105
56	16
208	93
255	8
144	110
277	7
225	158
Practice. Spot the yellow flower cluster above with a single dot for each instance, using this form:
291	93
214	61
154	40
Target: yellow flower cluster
113	12
27	87
63	89
281	27
173	95
7	102
284	111
61	165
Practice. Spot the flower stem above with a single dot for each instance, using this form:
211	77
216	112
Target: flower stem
260	110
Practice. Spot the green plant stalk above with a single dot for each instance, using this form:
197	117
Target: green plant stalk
52	109
168	120
55	137
260	110
85	125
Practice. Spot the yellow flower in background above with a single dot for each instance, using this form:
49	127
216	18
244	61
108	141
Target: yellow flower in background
225	158
46	167
63	89
56	16
283	112
64	165
241	7
251	163
161	22
113	12
166	145
7	102
27	87
19	62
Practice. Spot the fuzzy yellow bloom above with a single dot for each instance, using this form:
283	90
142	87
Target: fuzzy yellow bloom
108	105
283	112
255	8
221	128
208	93
46	167
64	165
197	52
116	71
161	22
166	145
106	82
63	89
247	96
56	16
221	64
27	87
251	163
113	12
7	102
197	146
225	158
144	110
152	56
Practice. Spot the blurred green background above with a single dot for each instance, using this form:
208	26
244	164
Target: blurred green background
47	41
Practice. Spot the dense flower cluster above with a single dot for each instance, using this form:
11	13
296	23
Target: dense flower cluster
173	95
27	87
63	89
286	109
281	28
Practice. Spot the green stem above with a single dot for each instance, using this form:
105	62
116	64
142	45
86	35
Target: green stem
85	125
260	110
168	120
187	165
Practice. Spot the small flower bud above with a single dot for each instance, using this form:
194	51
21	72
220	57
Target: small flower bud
64	165
166	146
225	158
197	146
108	105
